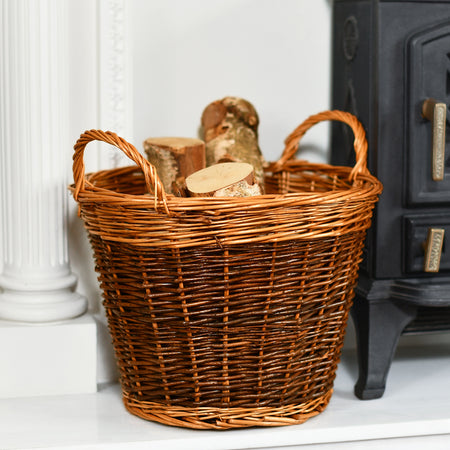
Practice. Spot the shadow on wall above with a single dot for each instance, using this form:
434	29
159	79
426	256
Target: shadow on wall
82	261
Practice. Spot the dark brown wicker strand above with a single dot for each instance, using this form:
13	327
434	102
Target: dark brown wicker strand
228	312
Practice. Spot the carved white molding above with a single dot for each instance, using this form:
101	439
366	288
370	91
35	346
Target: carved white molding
115	77
37	284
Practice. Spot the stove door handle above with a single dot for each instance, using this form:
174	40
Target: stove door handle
436	113
433	249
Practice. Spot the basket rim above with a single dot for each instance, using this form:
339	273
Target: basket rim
363	188
83	188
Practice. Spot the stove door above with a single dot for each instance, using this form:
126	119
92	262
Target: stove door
427	68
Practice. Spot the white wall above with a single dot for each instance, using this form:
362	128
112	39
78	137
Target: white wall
274	53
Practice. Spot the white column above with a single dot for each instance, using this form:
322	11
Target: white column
37	286
37	282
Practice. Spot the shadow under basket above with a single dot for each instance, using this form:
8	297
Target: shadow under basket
228	312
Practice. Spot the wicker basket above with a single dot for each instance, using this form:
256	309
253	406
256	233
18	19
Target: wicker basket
228	312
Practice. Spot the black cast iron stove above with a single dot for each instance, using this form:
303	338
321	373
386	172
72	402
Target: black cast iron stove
391	68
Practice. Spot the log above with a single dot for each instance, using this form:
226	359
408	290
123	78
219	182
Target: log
175	158
230	131
230	179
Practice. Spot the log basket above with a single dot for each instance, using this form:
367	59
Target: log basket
228	312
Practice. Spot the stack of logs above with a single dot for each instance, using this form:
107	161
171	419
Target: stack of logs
225	162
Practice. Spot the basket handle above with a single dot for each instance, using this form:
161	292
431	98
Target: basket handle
359	143
152	180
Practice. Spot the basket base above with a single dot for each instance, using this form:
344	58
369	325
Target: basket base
204	418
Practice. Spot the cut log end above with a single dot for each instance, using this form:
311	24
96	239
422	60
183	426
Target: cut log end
176	144
175	158
223	180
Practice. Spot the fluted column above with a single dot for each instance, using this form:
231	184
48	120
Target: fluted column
36	283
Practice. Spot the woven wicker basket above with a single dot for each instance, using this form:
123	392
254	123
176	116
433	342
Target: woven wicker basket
228	312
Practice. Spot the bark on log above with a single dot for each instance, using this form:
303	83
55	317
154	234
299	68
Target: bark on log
223	180
175	158
230	131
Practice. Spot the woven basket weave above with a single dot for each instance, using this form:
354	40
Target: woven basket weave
228	312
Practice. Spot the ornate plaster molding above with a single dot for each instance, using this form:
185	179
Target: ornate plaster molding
115	75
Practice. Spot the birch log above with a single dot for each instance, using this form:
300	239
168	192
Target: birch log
230	131
175	158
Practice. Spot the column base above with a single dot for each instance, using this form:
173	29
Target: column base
48	359
65	306
40	300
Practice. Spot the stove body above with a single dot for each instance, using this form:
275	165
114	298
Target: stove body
391	68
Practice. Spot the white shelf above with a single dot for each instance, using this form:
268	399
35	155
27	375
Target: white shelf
413	413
